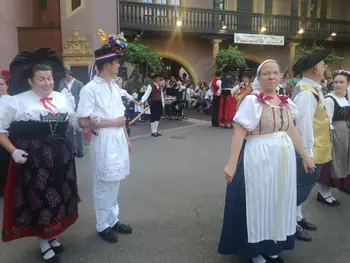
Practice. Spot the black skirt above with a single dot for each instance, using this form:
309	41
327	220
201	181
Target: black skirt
41	196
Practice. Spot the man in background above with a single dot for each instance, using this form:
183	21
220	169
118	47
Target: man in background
71	88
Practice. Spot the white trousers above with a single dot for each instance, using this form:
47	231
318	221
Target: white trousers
106	203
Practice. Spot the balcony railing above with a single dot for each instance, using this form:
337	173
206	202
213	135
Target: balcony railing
143	16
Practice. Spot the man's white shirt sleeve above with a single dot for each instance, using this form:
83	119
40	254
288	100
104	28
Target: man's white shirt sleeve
307	104
218	83
147	93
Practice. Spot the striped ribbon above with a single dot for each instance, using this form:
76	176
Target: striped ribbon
47	102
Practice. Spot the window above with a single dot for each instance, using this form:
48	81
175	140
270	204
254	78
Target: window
42	5
175	2
75	4
295	8
304	8
219	4
313	8
324	9
268	6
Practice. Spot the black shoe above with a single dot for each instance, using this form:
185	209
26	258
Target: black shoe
57	250
54	259
306	225
273	260
154	134
302	235
158	134
122	229
323	200
109	235
80	154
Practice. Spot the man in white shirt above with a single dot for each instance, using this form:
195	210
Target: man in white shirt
101	109
314	127
71	87
154	91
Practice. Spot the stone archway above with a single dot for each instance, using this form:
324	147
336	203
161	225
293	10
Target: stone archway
184	62
78	56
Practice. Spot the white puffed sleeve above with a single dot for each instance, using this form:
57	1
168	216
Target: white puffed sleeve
8	110
293	109
86	105
249	113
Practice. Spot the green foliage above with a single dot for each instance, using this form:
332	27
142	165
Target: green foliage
328	60
143	57
230	59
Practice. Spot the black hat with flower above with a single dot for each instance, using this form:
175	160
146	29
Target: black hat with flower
114	46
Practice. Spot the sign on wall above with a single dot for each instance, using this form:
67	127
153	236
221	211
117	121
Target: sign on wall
254	39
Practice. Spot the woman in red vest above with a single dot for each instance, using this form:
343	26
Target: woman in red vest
227	101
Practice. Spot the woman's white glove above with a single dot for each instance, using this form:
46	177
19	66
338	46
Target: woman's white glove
19	156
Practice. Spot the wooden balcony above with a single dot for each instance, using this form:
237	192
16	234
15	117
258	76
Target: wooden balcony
153	17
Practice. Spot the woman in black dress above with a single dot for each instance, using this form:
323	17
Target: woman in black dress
41	196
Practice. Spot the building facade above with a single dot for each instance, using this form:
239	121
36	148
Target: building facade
188	32
193	31
68	26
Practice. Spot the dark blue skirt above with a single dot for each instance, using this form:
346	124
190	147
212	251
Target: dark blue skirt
234	237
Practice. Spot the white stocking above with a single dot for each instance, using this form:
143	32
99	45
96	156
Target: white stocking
156	126
325	191
299	214
259	259
44	246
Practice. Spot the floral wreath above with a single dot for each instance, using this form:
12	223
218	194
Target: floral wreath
341	72
118	43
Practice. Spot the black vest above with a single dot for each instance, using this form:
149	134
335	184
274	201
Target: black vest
340	113
226	83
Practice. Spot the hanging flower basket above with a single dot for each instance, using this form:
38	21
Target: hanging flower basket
230	59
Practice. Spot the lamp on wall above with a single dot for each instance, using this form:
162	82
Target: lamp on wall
334	34
301	31
263	29
178	23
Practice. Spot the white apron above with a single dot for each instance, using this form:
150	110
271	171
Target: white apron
110	155
270	181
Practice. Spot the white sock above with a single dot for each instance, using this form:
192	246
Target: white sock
259	259
325	191
299	214
156	125
153	127
44	246
273	256
54	243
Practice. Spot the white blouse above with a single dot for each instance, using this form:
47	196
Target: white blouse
329	105
27	106
249	112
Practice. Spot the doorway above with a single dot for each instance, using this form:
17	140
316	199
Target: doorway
176	69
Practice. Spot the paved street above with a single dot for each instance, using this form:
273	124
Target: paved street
174	200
